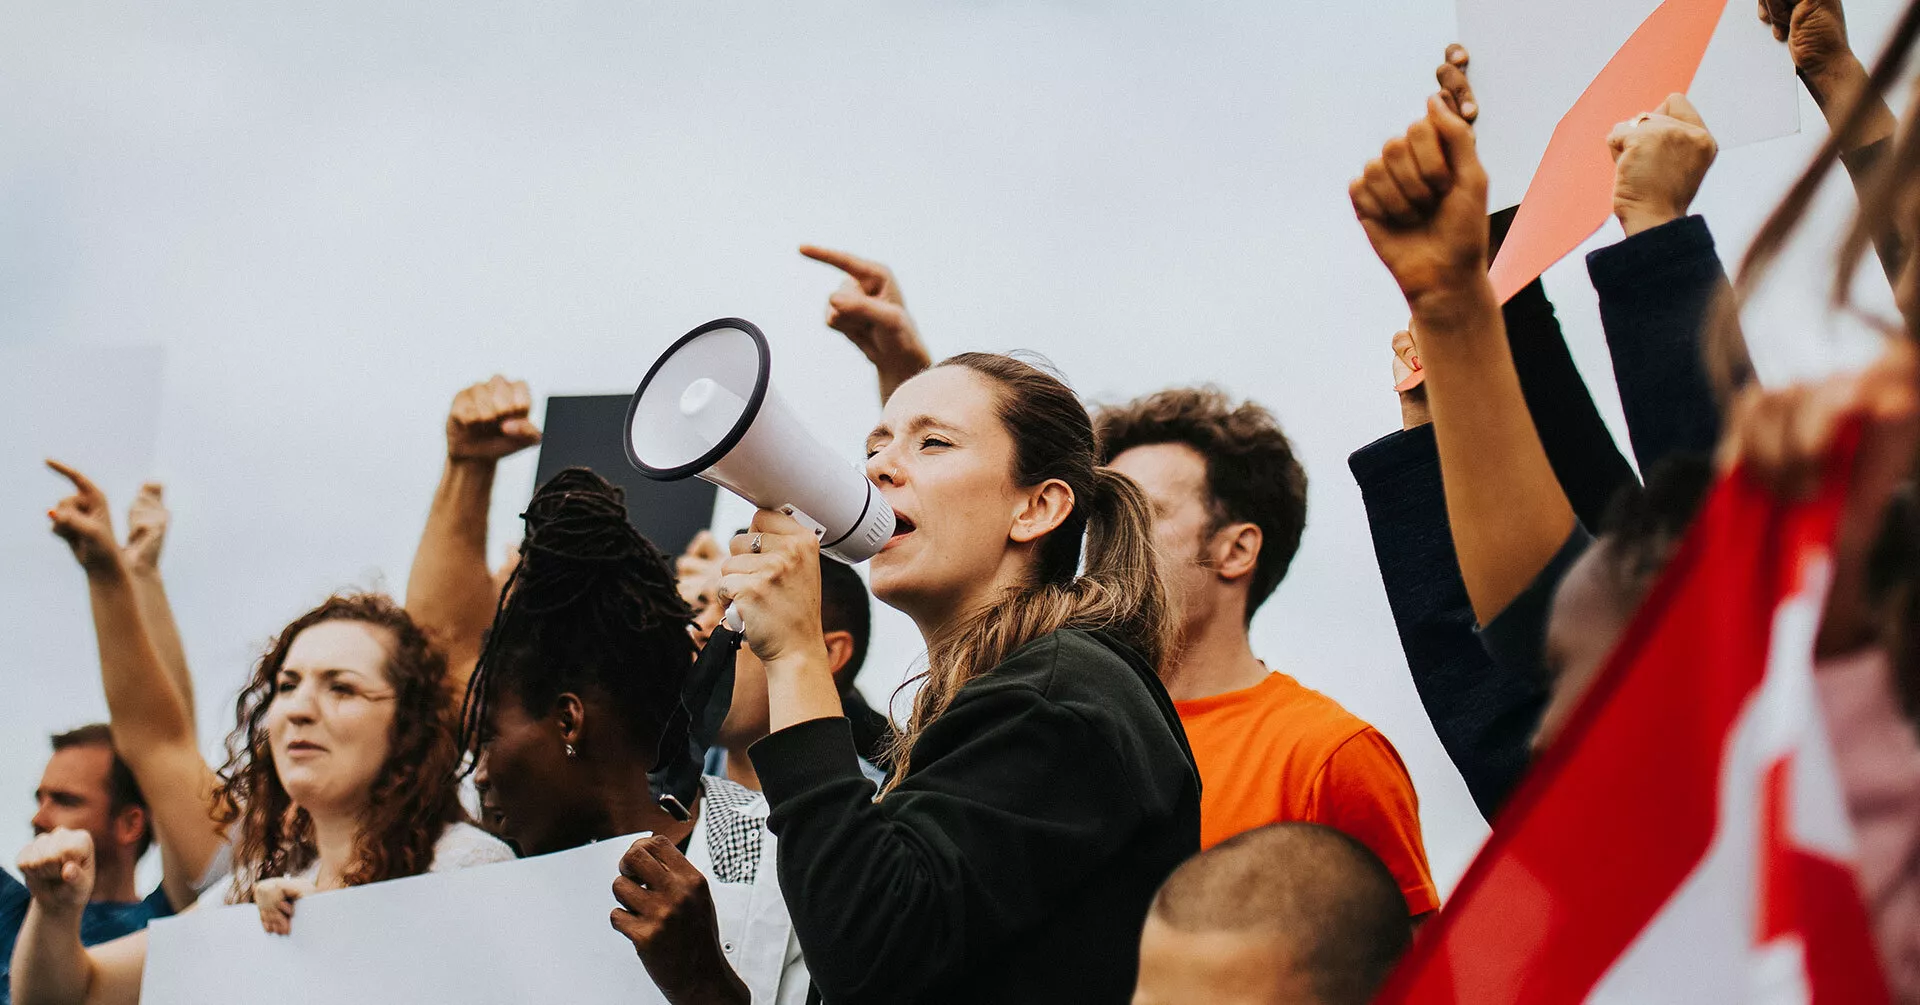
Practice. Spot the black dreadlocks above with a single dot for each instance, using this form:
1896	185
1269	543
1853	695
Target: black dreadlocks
591	608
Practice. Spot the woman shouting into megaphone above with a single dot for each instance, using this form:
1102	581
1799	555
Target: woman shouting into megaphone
1042	787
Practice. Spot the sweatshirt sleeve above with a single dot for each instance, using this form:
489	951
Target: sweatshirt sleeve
1656	289
1011	801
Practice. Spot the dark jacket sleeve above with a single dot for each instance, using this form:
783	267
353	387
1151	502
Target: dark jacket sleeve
1482	714
889	896
1517	636
1585	460
1656	289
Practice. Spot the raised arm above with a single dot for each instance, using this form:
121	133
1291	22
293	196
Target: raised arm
450	590
147	522
50	966
1660	287
870	312
1816	35
152	729
1423	205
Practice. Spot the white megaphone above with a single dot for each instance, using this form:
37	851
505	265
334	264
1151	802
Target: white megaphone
708	408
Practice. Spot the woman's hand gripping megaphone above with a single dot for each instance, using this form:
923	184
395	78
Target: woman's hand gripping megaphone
772	584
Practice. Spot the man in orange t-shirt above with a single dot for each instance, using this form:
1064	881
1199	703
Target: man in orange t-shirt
1230	502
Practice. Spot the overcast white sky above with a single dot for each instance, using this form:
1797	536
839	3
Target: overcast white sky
253	249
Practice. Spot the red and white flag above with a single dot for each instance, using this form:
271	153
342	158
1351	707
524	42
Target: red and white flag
1685	840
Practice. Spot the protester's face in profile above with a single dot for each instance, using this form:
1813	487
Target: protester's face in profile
528	795
330	724
1174	476
1589	614
1220	968
74	793
944	461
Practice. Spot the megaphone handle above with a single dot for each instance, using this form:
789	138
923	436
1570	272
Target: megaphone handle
732	618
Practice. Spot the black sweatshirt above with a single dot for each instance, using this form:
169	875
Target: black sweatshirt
1016	860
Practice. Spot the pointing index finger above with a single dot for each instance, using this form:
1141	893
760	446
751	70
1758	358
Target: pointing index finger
851	264
80	481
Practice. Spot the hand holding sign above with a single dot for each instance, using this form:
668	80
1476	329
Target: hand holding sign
667	913
1659	160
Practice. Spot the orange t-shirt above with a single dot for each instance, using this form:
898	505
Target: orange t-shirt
1278	751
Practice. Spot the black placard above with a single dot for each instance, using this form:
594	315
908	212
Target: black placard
588	431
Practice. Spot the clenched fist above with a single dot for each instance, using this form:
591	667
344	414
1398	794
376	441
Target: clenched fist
490	420
1423	203
1659	160
58	867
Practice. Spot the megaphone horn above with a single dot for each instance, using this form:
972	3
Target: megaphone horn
708	408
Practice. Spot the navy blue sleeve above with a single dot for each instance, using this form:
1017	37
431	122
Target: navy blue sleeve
1483	714
1517	636
1656	289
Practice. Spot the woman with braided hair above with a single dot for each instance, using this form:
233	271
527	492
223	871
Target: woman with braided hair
574	696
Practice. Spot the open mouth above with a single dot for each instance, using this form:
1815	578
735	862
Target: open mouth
902	526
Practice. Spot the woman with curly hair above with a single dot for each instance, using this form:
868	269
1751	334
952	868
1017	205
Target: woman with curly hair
341	771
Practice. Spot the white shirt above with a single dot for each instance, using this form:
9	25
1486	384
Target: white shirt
733	848
460	846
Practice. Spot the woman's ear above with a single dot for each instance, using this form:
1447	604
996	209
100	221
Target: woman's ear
570	716
1045	507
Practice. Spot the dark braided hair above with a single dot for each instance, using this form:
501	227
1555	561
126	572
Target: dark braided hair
591	609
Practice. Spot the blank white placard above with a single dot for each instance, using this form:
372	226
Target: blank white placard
534	930
1533	60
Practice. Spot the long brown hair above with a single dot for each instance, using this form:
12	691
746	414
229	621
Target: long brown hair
1120	589
414	796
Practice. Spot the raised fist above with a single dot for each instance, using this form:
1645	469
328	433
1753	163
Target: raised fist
1423	203
1659	160
490	420
58	868
1815	32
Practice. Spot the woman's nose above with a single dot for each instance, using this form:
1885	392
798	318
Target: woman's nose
298	704
883	468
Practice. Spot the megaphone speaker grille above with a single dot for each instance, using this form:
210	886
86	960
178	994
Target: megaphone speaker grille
699	400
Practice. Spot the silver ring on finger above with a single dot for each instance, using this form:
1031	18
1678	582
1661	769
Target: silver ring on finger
754	547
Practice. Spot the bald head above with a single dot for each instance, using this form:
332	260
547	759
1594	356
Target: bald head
1289	914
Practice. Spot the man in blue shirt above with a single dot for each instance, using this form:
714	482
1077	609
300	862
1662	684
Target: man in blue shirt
87	787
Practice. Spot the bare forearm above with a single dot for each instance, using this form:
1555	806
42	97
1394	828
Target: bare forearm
801	689
450	590
157	613
50	966
1507	510
1836	90
145	707
153	730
